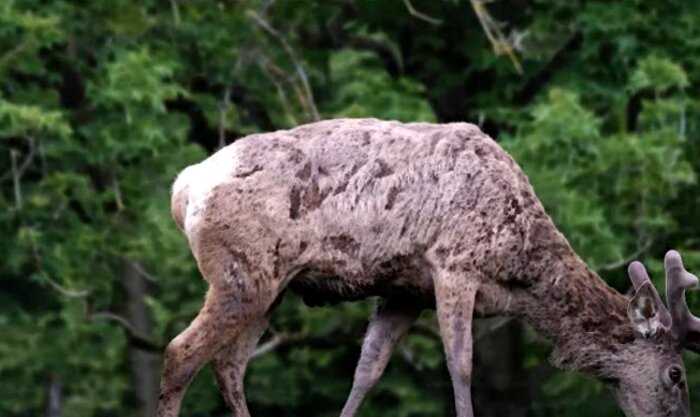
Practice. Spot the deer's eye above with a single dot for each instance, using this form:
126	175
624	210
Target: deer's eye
675	374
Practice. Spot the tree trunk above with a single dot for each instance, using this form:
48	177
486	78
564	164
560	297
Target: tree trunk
500	384
54	395
144	365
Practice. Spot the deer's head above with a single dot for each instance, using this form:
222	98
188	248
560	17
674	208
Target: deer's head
651	380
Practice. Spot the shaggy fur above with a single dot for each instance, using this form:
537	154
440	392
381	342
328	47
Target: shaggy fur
422	215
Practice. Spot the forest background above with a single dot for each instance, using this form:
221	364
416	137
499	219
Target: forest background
102	103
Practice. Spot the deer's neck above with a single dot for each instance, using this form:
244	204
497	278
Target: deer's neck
567	302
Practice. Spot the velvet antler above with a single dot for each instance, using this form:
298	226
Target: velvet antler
677	318
640	279
685	326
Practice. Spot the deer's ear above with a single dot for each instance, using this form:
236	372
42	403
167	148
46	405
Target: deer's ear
644	311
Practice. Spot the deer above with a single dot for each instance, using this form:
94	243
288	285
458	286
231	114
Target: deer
420	216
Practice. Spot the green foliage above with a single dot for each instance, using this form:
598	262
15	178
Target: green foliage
657	74
27	120
577	171
361	88
103	103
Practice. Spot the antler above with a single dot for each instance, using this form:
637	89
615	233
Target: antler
685	326
640	278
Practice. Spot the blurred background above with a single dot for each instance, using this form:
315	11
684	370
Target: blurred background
102	103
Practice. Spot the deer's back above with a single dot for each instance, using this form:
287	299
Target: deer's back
372	203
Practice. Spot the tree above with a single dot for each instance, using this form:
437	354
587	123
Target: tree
102	103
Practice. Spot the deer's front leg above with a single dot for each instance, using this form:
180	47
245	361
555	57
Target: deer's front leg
455	297
389	323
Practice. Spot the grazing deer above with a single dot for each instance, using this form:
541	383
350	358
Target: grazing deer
423	216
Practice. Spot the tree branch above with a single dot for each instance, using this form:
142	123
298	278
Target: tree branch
500	44
119	201
20	170
176	12
388	53
269	69
558	60
16	172
224	107
141	271
496	323
136	338
12	53
274	342
15	180
293	57
622	262
70	293
422	16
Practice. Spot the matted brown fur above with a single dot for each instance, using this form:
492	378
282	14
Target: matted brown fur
355	208
420	214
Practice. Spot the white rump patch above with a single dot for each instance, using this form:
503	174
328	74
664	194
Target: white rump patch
202	178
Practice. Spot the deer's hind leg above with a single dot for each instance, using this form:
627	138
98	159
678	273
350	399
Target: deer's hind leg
235	300
230	366
455	297
389	323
